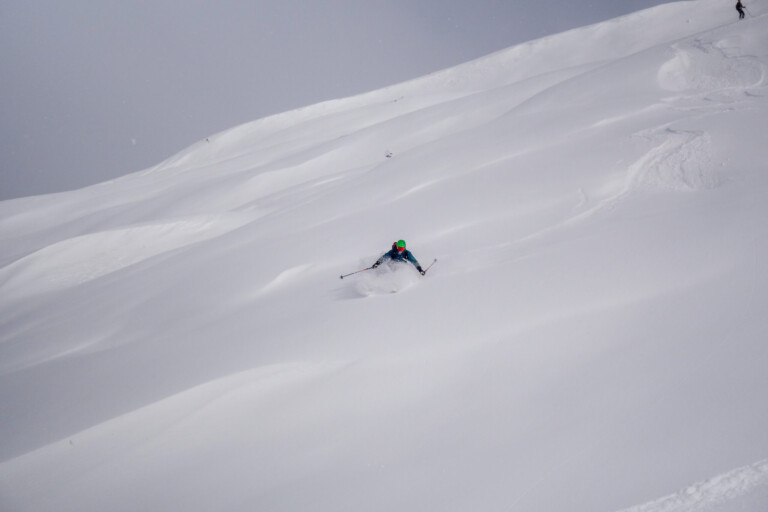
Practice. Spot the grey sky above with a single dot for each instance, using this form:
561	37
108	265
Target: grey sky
94	89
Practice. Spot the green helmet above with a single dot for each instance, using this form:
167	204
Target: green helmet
401	243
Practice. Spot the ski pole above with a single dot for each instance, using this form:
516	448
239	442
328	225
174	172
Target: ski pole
355	272
430	265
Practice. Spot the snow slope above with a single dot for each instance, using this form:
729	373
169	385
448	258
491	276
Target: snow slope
592	338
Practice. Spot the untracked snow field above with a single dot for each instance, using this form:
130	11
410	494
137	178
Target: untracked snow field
592	338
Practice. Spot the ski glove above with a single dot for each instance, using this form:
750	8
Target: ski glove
421	270
374	265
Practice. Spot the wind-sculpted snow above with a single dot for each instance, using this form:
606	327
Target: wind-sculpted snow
741	489
592	338
80	259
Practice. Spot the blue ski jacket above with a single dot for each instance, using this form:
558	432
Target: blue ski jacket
395	255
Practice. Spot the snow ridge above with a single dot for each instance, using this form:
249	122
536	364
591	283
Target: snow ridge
745	488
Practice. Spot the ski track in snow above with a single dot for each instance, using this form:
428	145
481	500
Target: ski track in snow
679	160
711	78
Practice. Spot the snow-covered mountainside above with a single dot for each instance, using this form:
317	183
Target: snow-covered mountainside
592	338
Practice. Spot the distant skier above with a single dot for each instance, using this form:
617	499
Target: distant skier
740	8
399	253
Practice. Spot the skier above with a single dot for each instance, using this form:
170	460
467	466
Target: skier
740	8
399	253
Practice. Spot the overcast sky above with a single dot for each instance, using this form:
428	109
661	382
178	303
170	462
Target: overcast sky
94	89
